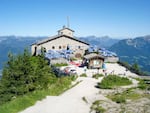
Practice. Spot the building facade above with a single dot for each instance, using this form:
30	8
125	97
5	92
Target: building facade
93	60
64	40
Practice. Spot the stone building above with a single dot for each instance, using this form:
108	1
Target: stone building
63	40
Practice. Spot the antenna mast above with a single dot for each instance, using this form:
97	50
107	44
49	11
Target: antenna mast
68	22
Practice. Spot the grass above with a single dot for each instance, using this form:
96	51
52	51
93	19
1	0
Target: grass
73	77
112	81
20	103
97	102
97	108
73	59
83	75
122	97
146	95
96	76
118	98
61	64
142	84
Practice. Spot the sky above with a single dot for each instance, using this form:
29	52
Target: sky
114	18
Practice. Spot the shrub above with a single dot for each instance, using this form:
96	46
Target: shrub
73	59
97	102
96	76
112	81
127	94
73	77
119	99
61	64
142	85
97	108
83	75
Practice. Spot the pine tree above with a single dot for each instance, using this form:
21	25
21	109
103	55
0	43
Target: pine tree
24	73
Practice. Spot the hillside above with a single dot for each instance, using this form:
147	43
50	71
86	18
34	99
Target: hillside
104	41
134	51
14	45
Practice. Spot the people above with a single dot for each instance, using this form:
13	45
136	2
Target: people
104	69
113	72
85	69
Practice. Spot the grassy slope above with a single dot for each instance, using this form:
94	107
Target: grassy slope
30	99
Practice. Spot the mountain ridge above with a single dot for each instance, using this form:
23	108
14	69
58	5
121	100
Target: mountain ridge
14	45
104	41
134	50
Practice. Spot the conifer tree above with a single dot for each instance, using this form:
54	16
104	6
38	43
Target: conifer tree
24	73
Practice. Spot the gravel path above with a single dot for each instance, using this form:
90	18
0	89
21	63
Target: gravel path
70	101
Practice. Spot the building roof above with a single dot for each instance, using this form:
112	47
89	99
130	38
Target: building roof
93	55
56	37
65	28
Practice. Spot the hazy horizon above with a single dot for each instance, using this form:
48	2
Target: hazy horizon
75	36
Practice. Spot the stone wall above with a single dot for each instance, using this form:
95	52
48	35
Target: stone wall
111	59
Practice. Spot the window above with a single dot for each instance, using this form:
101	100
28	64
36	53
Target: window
68	47
96	62
44	49
59	47
64	47
79	47
53	47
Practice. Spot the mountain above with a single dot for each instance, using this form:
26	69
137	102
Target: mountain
104	41
14	45
135	50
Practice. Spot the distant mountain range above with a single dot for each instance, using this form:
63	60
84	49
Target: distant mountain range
104	41
14	45
135	50
130	50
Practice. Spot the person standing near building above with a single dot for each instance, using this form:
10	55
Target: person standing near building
104	68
